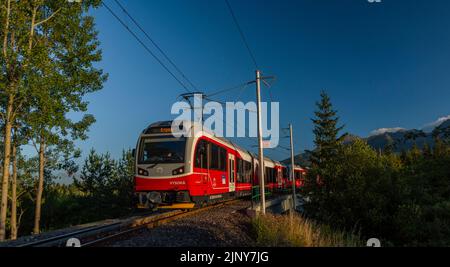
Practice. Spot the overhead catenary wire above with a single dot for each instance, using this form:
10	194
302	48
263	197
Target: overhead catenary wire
238	97
242	34
145	46
218	92
141	42
246	129
270	94
269	86
156	45
225	103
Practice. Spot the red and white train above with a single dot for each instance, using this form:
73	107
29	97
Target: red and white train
188	172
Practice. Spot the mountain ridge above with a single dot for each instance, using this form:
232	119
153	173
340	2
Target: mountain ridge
398	141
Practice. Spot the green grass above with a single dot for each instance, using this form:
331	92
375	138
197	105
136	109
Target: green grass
296	231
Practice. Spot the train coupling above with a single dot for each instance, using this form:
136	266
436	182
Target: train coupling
148	200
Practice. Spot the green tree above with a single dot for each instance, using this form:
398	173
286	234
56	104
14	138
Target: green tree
124	183
401	199
326	133
107	185
327	142
365	190
391	146
24	197
18	139
96	174
49	48
17	39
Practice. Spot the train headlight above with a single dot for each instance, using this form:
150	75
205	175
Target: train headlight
142	172
178	171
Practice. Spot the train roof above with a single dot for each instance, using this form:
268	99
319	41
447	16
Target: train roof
297	167
246	155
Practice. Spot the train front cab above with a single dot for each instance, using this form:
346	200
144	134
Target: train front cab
162	168
188	172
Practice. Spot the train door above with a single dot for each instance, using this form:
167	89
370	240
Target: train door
280	178
231	173
201	164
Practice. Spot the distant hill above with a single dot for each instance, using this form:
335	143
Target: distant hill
399	139
443	130
301	159
405	139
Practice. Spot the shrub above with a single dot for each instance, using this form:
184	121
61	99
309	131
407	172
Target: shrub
296	231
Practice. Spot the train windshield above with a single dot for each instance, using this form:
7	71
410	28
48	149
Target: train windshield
154	151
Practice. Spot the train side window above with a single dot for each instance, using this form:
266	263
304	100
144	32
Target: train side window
201	155
222	159
242	171
250	172
214	162
239	170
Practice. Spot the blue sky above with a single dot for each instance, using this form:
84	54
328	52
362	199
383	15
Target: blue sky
384	64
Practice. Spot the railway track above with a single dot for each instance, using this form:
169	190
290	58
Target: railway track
55	240
155	222
98	235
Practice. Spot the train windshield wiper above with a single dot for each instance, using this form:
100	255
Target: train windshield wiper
152	166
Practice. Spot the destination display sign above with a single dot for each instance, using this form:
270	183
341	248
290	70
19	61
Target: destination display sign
157	130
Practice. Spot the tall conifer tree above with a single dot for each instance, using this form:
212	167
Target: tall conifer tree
327	140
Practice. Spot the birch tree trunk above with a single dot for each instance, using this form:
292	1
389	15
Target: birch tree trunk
40	189
7	136
6	167
14	195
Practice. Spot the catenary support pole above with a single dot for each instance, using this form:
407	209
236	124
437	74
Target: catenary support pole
292	166
260	144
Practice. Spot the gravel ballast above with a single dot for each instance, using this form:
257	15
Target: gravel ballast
224	226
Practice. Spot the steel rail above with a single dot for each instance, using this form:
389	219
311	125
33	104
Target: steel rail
157	222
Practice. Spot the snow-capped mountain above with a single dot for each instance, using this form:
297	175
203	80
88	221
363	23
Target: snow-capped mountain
402	139
398	139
